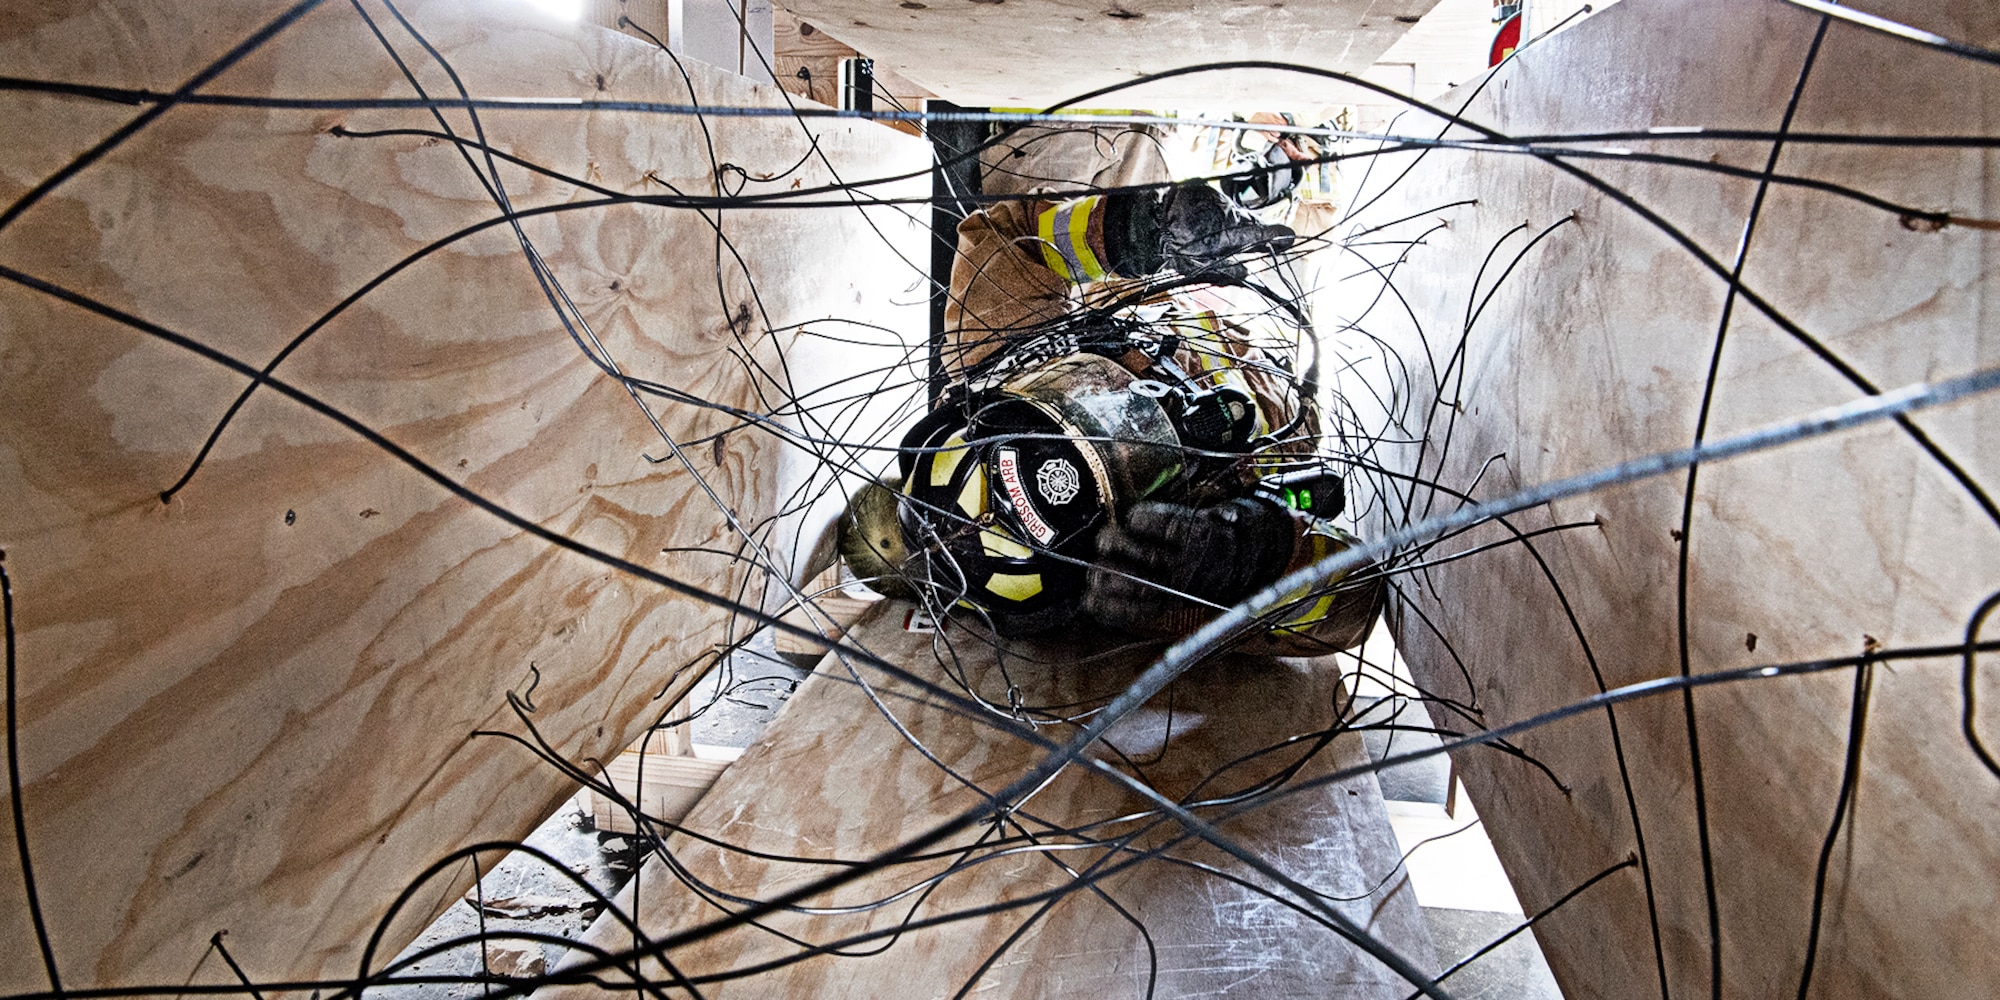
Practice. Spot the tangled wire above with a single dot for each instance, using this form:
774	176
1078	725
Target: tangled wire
1394	372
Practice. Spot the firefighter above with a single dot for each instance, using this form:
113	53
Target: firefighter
1130	435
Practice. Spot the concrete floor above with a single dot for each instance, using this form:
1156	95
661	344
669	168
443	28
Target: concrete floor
1466	898
1514	971
523	894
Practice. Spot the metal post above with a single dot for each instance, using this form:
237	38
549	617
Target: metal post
954	183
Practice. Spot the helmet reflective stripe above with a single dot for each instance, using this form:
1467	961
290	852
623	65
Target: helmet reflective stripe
972	496
945	462
997	542
1015	586
1065	233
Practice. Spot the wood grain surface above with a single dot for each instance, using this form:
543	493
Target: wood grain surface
252	709
807	61
663	785
833	780
1040	52
1595	350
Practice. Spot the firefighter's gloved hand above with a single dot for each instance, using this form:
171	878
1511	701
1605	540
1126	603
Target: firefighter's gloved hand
1203	230
1219	554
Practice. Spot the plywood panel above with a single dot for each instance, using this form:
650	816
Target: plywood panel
833	780
1038	52
252	708
1596	350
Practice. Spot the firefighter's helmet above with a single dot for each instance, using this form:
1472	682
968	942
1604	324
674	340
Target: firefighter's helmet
1004	489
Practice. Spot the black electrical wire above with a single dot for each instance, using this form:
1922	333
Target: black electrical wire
161	104
1685	539
14	787
778	400
1850	776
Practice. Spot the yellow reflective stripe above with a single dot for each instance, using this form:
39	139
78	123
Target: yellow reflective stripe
1045	227
1065	240
1043	109
1079	236
1015	586
997	542
972	496
945	462
1320	609
1323	545
1199	328
1210	351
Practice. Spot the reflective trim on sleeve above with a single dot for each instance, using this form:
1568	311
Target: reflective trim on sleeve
1324	540
1045	227
1065	240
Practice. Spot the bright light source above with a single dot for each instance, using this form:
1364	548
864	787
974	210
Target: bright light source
568	10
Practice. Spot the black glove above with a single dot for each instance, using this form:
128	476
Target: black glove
1219	554
1203	230
1191	228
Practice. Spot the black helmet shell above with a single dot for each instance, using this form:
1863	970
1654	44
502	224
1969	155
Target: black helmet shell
1006	488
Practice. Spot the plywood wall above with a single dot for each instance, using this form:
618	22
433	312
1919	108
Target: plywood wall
1039	52
1595	349
252	708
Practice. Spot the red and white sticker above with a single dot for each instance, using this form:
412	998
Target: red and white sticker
920	620
1017	494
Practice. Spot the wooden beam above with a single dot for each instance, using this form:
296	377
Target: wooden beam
1038	52
664	786
808	64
